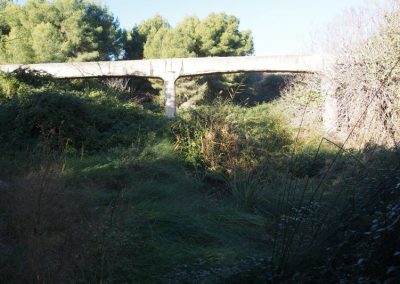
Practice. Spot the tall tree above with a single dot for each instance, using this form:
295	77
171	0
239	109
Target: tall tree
220	36
4	27
216	35
56	31
143	35
182	41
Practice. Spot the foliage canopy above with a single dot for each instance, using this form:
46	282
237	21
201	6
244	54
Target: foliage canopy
63	30
216	35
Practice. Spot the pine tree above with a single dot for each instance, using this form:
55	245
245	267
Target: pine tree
58	31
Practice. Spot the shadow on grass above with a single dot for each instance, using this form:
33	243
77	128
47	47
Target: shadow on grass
121	216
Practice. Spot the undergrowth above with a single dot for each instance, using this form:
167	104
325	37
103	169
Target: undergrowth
96	188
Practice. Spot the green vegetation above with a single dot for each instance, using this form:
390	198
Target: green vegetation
128	207
216	35
63	30
79	30
81	118
97	186
209	197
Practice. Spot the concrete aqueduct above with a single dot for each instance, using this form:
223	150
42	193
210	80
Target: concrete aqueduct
170	69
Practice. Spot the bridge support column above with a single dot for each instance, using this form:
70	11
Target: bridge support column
330	115
170	92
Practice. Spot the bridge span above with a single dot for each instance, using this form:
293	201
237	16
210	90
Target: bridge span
170	69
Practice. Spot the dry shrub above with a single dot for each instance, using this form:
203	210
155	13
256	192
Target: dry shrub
363	79
117	83
189	92
224	137
220	146
366	75
207	138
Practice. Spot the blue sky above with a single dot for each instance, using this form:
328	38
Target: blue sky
278	26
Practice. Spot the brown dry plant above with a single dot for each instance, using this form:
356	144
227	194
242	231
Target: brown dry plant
365	76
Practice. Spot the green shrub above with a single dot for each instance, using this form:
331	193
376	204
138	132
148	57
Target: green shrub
8	86
60	118
67	118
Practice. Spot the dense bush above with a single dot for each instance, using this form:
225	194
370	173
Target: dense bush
66	118
45	115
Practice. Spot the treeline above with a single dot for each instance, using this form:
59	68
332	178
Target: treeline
80	30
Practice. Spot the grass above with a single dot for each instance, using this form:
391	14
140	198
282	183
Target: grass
160	214
180	221
224	194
